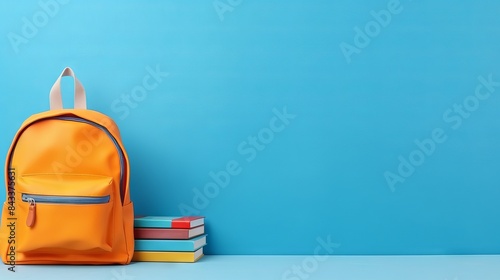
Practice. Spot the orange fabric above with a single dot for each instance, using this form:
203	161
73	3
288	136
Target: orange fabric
77	207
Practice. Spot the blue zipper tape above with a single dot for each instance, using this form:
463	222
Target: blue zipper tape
59	199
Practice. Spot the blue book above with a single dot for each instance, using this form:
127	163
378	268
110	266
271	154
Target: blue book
168	222
158	245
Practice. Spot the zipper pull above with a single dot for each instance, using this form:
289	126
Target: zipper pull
30	221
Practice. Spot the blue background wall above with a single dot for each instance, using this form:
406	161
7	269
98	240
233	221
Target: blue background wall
360	104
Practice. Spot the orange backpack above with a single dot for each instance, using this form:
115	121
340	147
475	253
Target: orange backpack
67	180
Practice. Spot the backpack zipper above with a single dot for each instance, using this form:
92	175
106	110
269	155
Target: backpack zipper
33	199
60	199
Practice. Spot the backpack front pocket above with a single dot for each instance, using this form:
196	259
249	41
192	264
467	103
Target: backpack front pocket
64	216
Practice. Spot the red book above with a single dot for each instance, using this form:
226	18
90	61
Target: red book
187	222
168	233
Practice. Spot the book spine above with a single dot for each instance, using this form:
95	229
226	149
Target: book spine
161	245
159	234
152	224
174	257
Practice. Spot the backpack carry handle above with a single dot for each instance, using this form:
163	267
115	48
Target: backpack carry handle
55	92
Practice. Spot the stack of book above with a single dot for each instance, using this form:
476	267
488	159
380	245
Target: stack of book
169	239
